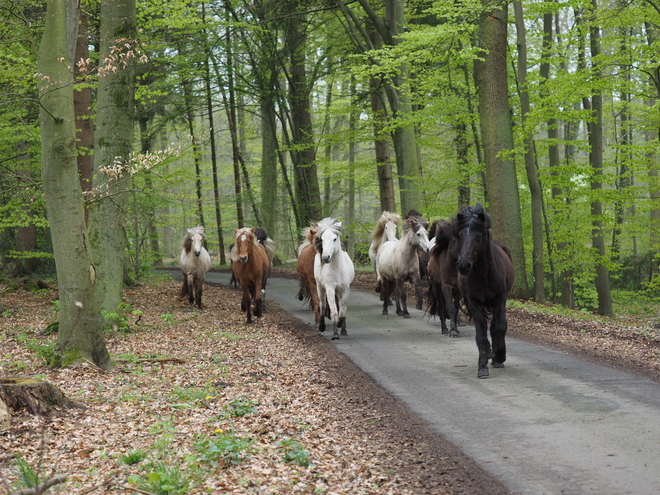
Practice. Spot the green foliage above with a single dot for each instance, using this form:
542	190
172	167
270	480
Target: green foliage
119	321
162	479
25	474
293	452
43	351
134	457
241	407
225	448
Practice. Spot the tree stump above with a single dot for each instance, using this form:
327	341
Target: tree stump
37	397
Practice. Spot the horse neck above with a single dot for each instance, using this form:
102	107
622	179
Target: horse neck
407	243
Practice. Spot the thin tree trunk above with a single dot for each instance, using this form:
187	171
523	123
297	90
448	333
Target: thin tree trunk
530	160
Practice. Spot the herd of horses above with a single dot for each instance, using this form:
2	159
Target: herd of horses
464	267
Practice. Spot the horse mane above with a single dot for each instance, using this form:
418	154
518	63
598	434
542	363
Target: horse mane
418	215
414	224
378	235
327	223
187	240
441	231
308	234
474	217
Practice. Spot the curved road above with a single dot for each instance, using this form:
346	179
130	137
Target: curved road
548	423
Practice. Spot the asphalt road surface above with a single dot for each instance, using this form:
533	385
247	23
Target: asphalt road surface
547	423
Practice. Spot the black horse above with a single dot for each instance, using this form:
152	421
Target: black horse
444	296
485	277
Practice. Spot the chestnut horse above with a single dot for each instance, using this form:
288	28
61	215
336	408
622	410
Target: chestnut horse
251	266
443	295
195	262
485	277
305	270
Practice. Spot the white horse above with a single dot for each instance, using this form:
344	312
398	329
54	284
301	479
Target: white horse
385	230
397	263
195	262
333	272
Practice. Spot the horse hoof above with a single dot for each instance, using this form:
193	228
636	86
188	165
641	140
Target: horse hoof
419	305
384	313
454	333
335	336
406	315
498	365
483	373
344	333
445	331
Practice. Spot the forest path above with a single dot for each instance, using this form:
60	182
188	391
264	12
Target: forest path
548	423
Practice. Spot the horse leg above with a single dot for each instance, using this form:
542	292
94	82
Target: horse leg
498	327
191	289
417	282
331	297
437	304
258	299
341	306
184	288
403	297
481	327
322	305
246	304
199	286
451	308
386	287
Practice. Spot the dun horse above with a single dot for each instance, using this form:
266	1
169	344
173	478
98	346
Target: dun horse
485	277
333	272
397	263
443	295
305	270
195	262
251	266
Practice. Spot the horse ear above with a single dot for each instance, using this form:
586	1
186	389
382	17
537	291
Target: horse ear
235	230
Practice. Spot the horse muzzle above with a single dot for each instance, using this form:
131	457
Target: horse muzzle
325	259
464	267
243	259
197	253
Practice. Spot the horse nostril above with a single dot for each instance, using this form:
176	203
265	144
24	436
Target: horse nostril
243	259
464	267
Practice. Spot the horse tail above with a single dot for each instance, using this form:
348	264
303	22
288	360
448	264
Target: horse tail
304	294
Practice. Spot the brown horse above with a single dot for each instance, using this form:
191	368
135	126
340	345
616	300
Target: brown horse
485	277
251	266
443	295
305	270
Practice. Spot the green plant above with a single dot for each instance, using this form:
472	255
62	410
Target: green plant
293	452
241	407
44	351
134	457
224	448
162	479
26	476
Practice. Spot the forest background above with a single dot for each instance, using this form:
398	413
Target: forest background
125	122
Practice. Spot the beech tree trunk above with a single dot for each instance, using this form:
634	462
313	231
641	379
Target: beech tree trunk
496	130
80	333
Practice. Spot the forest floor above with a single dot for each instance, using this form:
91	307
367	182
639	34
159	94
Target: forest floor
268	408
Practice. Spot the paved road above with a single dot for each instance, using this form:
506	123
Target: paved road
546	424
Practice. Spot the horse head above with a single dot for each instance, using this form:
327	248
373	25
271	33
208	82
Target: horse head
194	240
414	228
473	230
243	240
327	239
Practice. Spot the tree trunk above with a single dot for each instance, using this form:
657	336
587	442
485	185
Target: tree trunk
595	127
114	144
496	130
80	333
530	160
405	141
82	104
307	189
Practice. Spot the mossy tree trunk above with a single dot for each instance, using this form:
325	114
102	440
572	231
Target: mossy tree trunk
80	330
